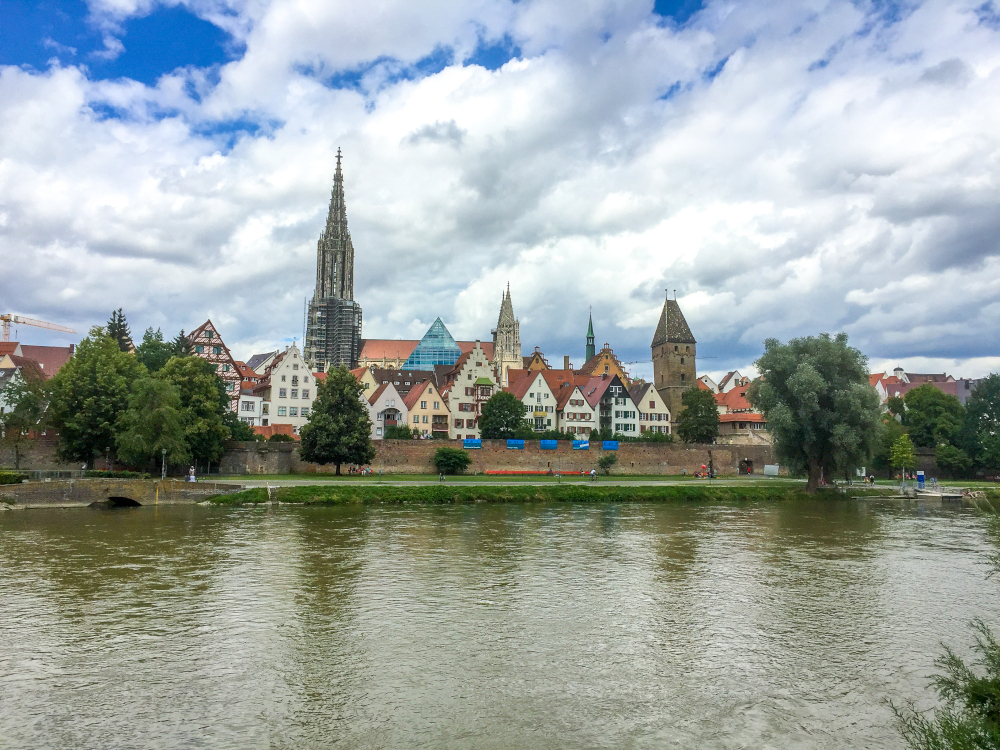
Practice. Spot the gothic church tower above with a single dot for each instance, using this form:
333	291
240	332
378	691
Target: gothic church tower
673	358
333	326
506	341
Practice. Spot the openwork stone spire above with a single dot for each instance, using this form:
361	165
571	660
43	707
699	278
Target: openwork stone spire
335	251
506	340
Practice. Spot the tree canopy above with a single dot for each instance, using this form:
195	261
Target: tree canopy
820	407
204	405
933	417
152	423
117	328
26	400
698	421
451	460
901	456
981	430
502	417
89	394
154	352
339	428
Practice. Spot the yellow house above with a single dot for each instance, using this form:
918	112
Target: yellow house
367	380
428	411
605	363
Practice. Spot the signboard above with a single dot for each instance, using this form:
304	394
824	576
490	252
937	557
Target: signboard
515	445
770	470
581	445
470	444
920	479
610	445
549	445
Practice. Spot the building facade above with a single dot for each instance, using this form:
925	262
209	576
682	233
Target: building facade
333	320
506	341
288	391
428	411
673	349
466	387
386	408
654	414
208	344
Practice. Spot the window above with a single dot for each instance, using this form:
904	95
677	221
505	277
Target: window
470	376
407	382
295	367
675	348
546	395
305	393
295	379
282	411
531	395
199	349
209	333
293	411
682	360
265	408
423	404
682	377
425	419
436	406
282	378
225	368
305	379
378	430
305	411
282	393
246	406
459	423
416	419
229	386
216	350
295	392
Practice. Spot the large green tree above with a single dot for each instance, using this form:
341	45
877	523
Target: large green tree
181	345
153	423
154	352
89	394
117	328
698	421
820	407
25	398
933	417
901	456
204	403
339	428
981	431
502	417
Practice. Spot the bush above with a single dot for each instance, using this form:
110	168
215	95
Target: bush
102	474
280	437
451	460
605	462
12	477
398	432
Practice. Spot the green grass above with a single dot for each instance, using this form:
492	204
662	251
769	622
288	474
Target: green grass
362	494
487	479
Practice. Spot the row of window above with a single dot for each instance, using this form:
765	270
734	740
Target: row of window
625	427
580	416
661	428
466	422
293	411
624	414
283	393
295	378
656	417
423	404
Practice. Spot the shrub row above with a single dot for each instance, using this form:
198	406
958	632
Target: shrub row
101	474
12	477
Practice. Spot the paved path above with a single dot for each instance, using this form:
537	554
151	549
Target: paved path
540	482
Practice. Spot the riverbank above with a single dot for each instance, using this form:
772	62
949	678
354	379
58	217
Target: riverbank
570	493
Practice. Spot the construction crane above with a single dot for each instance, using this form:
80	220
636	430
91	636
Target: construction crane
7	318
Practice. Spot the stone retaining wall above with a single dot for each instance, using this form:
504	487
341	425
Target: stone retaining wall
80	493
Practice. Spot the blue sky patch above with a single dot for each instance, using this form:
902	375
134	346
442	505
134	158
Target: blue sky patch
32	33
494	55
679	10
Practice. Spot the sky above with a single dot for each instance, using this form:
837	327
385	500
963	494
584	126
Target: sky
789	168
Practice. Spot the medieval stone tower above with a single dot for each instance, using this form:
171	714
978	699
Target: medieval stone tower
506	341
673	357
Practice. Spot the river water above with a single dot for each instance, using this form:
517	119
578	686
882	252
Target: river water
480	626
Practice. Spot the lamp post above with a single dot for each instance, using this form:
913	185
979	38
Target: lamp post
163	464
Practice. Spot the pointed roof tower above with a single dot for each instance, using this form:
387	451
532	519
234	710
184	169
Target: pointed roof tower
335	251
437	347
672	327
506	310
590	350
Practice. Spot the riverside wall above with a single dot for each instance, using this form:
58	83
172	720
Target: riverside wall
417	457
81	493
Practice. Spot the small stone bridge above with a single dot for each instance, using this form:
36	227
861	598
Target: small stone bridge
81	493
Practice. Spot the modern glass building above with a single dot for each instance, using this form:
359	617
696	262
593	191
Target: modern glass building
437	347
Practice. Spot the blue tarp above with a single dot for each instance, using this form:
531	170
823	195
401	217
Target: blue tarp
515	445
549	445
469	444
610	445
581	445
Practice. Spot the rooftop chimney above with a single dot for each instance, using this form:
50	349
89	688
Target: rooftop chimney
566	362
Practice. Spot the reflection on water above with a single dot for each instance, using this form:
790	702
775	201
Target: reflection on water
479	626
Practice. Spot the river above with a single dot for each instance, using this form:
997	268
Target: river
784	625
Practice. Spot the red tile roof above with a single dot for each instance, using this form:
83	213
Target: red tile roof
9	347
51	358
735	400
411	398
744	417
276	429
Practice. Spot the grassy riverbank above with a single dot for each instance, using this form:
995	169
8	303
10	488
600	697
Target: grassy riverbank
336	495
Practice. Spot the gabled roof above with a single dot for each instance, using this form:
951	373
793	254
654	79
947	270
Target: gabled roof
415	392
734	400
565	393
10	347
378	392
595	389
672	328
50	358
258	359
520	388
30	370
638	391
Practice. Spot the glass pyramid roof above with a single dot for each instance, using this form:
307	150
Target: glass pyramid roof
437	347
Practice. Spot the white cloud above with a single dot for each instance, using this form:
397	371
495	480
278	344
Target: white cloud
838	172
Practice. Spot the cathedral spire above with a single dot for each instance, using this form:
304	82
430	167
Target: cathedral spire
506	340
335	251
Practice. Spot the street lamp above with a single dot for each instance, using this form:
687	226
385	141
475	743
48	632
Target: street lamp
163	464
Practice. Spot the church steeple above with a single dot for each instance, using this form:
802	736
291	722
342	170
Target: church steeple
335	251
591	349
506	340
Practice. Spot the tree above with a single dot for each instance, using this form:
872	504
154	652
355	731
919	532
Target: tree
502	417
181	345
89	394
981	429
117	329
204	403
26	400
154	352
451	460
933	417
398	432
238	429
339	428
280	437
820	407
891	430
606	462
901	457
151	425
896	406
952	460
698	421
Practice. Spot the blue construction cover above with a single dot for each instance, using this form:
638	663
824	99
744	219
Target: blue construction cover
515	445
610	445
470	444
437	347
549	445
581	445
